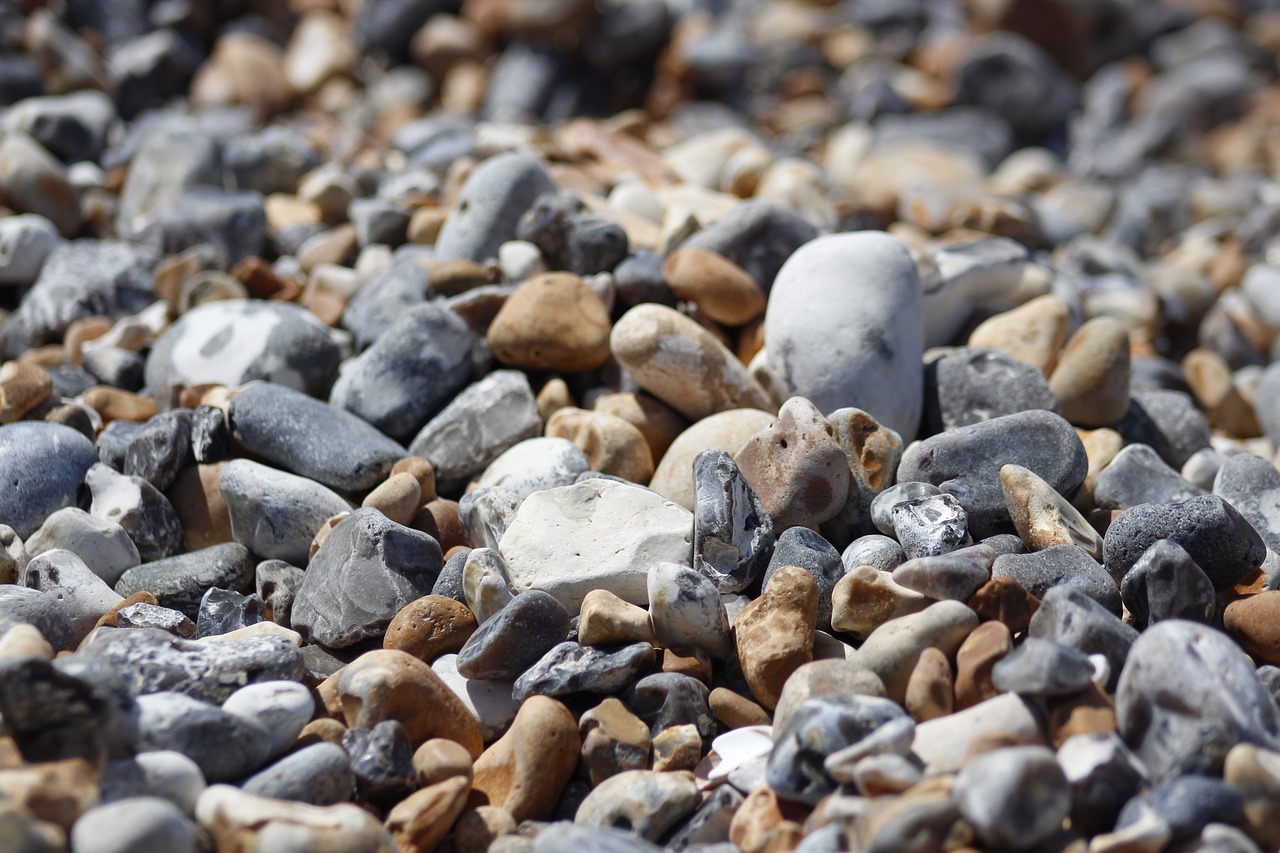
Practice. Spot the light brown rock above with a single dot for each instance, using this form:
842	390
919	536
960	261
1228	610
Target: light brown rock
614	740
525	771
388	684
722	290
657	422
727	431
88	329
989	643
553	396
1091	381
1032	333
607	620
682	364
612	445
23	386
442	519
238	822
1255	773
422	472
765	823
439	759
478	828
421	820
1254	622
677	748
1100	447
650	803
1214	388
892	650
1004	600
1089	711
873	452
929	690
1042	517
244	68
321	730
693	662
54	791
774	634
398	498
116	405
429	627
24	641
198	501
865	598
735	710
553	321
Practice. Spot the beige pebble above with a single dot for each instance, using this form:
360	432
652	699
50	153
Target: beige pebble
24	641
439	759
677	748
1224	406
422	472
657	422
244	68
765	823
1091	381
606	620
612	445
83	330
929	690
23	386
734	710
1042	517
1255	772
526	769
1032	333
116	405
721	289
865	598
397	497
553	321
420	821
774	634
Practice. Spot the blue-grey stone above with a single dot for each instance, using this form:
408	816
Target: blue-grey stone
1166	583
161	448
224	746
733	535
41	468
1137	475
20	605
968	386
275	514
756	235
667	699
491	202
319	774
1187	804
180	582
515	639
1040	667
1169	422
573	668
1060	566
232	220
1069	617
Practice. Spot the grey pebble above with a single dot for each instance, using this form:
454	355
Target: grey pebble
63	576
134	825
143	615
159	773
103	545
487	513
968	386
1067	566
224	746
385	298
137	506
956	575
160	448
1166	583
1169	422
756	235
1014	798
1187	805
515	639
181	581
1137	475
573	668
882	553
319	774
1252	485
41	468
273	513
1040	667
19	605
490	205
667	699
802	547
381	761
1068	616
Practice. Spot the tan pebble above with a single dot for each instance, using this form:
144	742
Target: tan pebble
429	627
330	189
240	822
54	791
526	769
321	730
750	341
388	684
677	748
553	321
728	431
774	634
892	650
445	40
612	445
606	620
457	275
873	452
1032	333
766	823
721	289
84	330
24	641
929	690
324	531
614	740
48	356
657	422
257	629
442	519
682	364
425	224
1255	773
335	246
319	48
1042	517
1212	382
421	471
692	662
824	678
140	597
1004	600
736	711
866	598
116	405
198	501
989	643
1254	622
796	468
439	759
480	827
398	498
553	396
23	386
1087	712
1091	381
244	68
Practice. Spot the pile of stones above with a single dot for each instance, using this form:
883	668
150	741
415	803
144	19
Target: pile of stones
535	425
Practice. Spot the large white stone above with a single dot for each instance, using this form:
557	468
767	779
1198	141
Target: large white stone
845	327
597	534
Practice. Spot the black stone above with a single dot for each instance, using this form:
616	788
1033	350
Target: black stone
1060	566
381	761
161	448
224	610
515	638
210	436
667	699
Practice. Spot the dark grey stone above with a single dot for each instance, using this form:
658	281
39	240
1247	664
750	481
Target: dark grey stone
365	571
160	449
68	707
758	236
638	279
1060	566
154	661
137	506
489	206
1166	583
1137	475
378	305
1016	79
1222	543
381	761
180	581
667	699
562	835
409	373
1042	668
276	583
1186	696
710	823
225	747
570	236
966	463
449	582
378	220
232	220
225	610
311	438
1103	774
148	70
319	774
1187	804
573	668
1069	617
387	26
802	547
733	536
169	161
41	468
20	605
1169	422
968	386
515	639
210	435
956	576
275	514
270	161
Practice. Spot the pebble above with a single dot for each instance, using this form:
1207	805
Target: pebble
1065	566
866	598
365	572
1033	333
1015	797
930	526
892	650
878	367
1091	380
687	612
35	182
1249	484
381	761
141	824
612	445
515	638
490	204
968	460
225	746
159	773
968	386
1166	583
535	464
1071	617
312	439
103	545
1137	476
726	431
1043	517
880	552
59	454
319	774
63	576
955	576
137	506
1255	773
607	620
1042	668
552	544
273	513
281	707
1167	421
525	771
721	289
646	802
614	740
774	634
1250	621
573	668
26	241
1187	805
429	627
800	547
552	321
235	818
180	582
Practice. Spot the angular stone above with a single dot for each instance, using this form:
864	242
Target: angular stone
1015	797
486	584
986	646
142	510
1042	668
1166	583
873	451
1059	566
273	513
1168	422
1042	517
726	431
930	526
573	668
614	740
1137	476
733	534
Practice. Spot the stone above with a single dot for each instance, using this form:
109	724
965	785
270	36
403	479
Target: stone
155	661
319	774
489	702
20	605
365	572
667	700
968	461
727	431
1091	381
892	650
552	321
526	770
273	513
387	684
180	582
1167	421
821	678
552	544
236	819
1256	773
535	464
802	548
237	341
486	583
103	545
490	204
612	446
567	836
161	773
866	598
137	506
281	707
757	235
429	627
1032	333
1042	517
1220	541
1166	583
225	746
607	620
955	576
877	367
661	348
1251	622
1187	805
44	465
83	595
381	762
873	451
774	634
573	668
721	289
1249	484
35	182
1014	797
160	448
875	550
981	651
26	241
398	498
420	821
1070	617
136	824
310	438
1065	566
144	614
687	612
1042	668
930	526
1136	476
647	802
614	740
484	420
385	298
968	386
515	638
276	583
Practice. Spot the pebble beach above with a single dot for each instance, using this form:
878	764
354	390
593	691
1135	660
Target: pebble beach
612	426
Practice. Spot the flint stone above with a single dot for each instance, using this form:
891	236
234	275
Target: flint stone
758	236
1059	566
573	668
880	552
311	438
180	582
137	506
103	545
41	468
22	606
224	746
1069	617
1167	421
385	299
1166	583
1252	485
515	639
275	514
969	386
1137	475
494	197
319	774
1014	798
223	611
160	448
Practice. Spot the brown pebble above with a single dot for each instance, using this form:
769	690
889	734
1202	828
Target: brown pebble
84	330
1091	381
23	386
1086	712
321	730
611	445
736	711
607	620
692	662
865	598
1213	384
478	828
439	759
774	633
553	321
425	224
398	498
657	422
198	501
420	821
986	646
57	792
429	627
1254	622
442	519
721	289
1032	333
929	689
765	823
613	740
526	769
1004	600
423	472
677	748
116	405
553	396
457	275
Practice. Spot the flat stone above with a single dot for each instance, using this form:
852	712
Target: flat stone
44	465
943	745
535	464
1137	475
1059	566
968	386
273	513
225	746
139	823
180	582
